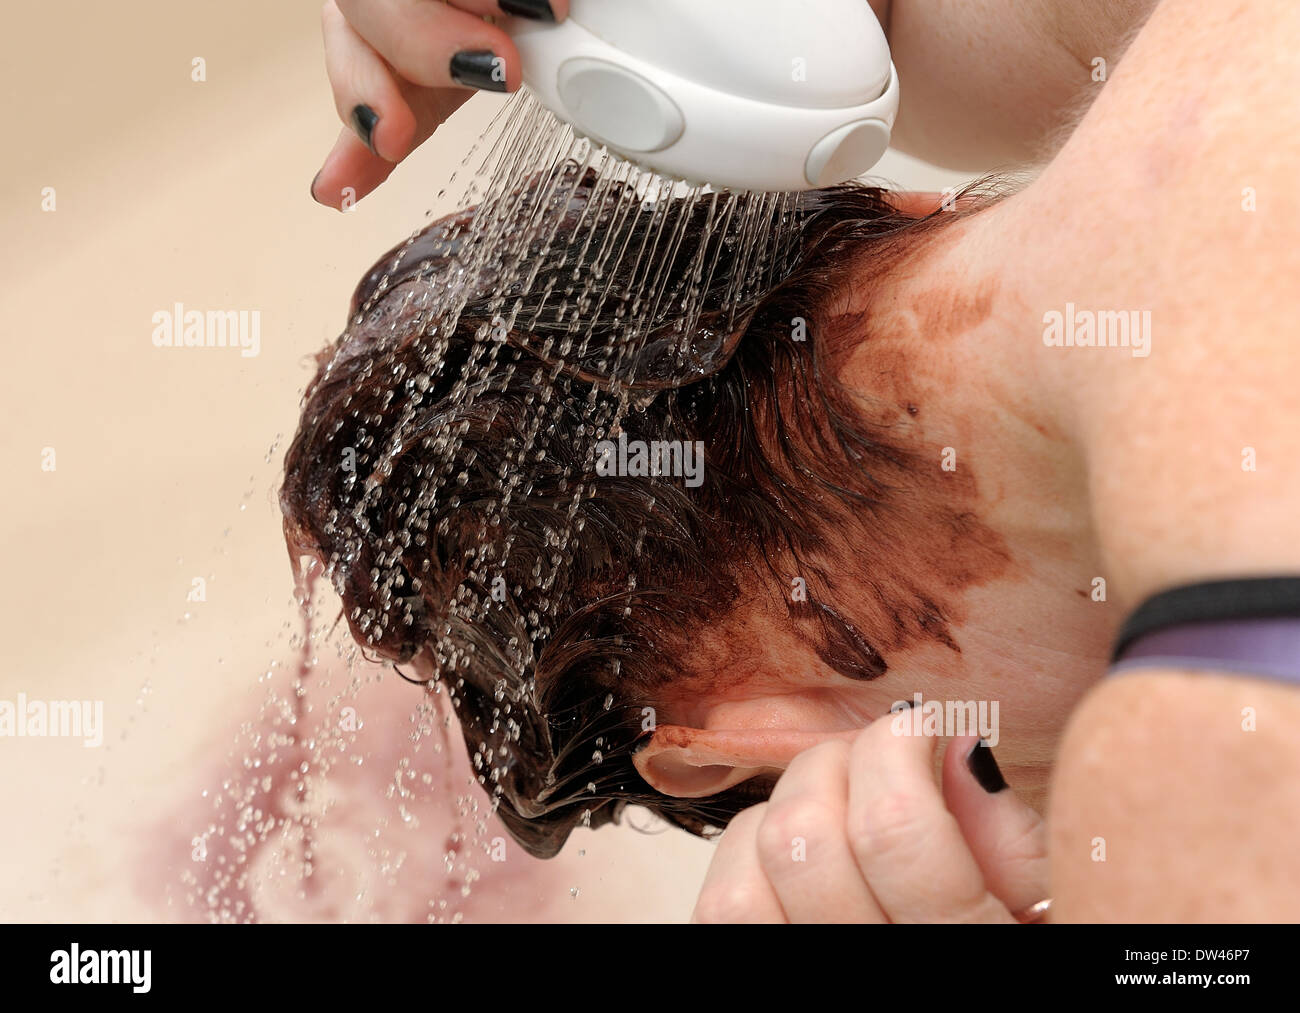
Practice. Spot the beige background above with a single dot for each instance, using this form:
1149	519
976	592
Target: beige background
167	460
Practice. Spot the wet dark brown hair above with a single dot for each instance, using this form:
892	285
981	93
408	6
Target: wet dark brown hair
551	721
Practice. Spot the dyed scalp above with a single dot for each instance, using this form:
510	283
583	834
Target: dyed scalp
551	680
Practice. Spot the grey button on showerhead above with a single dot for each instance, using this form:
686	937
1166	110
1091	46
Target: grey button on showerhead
617	106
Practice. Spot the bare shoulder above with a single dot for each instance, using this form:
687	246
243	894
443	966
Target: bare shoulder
1221	762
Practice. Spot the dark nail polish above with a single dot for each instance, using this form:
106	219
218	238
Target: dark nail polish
364	121
479	68
537	10
984	768
314	181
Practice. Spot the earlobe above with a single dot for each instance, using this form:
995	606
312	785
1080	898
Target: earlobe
698	762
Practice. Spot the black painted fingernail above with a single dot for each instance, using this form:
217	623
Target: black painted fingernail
364	121
984	768
479	68
314	181
538	10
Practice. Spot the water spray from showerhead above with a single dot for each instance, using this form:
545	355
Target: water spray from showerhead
766	95
624	220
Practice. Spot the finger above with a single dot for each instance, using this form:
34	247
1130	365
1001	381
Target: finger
735	890
803	847
366	94
434	45
1006	837
907	844
351	171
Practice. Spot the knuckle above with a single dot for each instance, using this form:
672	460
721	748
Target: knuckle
1024	844
1022	861
806	817
894	823
825	756
408	52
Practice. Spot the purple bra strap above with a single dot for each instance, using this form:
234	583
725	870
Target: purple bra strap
1269	648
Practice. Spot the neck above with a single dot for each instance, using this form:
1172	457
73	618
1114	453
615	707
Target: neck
969	570
945	362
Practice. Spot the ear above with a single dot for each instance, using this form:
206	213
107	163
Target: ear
697	762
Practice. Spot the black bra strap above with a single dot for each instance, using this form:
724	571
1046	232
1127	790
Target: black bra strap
1220	600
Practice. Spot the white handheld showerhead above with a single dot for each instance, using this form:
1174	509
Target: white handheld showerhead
745	94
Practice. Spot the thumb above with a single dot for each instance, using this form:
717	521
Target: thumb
1007	837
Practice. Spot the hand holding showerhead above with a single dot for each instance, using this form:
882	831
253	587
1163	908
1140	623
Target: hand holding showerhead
745	94
400	68
989	84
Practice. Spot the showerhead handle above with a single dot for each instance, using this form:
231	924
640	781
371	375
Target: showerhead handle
741	94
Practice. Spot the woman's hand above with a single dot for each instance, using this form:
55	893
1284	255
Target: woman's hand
860	832
398	68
